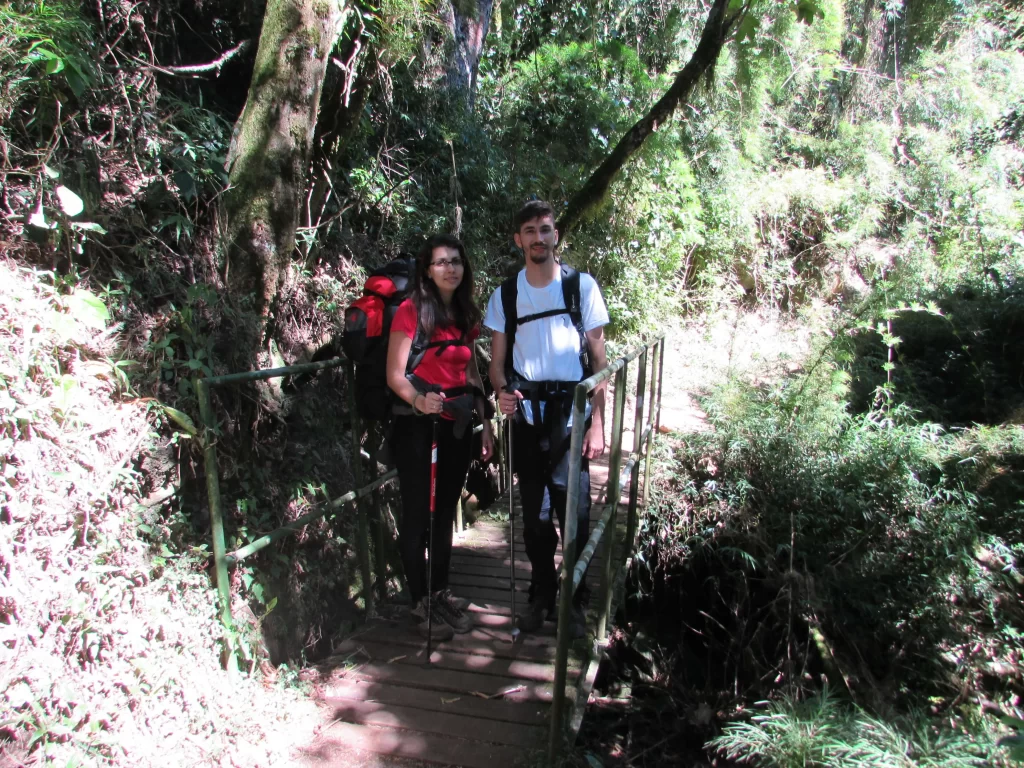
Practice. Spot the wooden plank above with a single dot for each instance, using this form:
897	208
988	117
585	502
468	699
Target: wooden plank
337	741
498	555
527	712
471	566
444	657
467	726
528	646
480	640
449	681
503	622
482	581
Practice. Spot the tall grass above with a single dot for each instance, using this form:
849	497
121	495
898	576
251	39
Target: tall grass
822	731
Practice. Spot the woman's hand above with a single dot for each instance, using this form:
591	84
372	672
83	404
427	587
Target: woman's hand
431	403
486	442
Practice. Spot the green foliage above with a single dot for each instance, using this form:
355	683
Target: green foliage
564	108
45	48
641	249
822	731
882	550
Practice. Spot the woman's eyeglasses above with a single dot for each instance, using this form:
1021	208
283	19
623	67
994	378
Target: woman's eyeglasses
445	263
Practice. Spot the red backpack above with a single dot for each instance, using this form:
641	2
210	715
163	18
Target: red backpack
367	327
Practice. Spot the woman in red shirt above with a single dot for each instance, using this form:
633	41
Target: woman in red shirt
440	309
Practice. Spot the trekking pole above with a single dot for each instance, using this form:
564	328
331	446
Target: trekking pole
430	536
511	526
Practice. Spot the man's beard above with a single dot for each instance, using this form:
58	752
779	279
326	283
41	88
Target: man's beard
540	257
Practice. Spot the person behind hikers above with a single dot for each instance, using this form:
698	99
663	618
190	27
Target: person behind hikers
552	350
440	310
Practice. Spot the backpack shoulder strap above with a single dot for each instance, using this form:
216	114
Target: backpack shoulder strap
509	295
571	295
420	347
420	343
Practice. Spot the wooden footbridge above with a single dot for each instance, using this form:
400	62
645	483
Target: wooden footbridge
481	700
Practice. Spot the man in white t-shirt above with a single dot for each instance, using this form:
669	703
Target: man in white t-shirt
557	339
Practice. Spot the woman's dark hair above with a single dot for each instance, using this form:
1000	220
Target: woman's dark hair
431	311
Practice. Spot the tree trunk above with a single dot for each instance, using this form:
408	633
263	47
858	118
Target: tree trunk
340	111
467	22
868	60
712	40
270	154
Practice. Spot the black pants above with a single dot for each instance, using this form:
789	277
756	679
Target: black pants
410	449
542	487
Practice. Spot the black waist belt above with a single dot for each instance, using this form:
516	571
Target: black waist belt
458	402
557	394
546	390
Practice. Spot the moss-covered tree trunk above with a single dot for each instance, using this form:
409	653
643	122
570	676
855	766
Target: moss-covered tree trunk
270	155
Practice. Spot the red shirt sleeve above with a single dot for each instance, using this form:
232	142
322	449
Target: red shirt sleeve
405	319
474	334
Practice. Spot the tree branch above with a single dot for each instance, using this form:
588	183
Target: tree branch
712	40
193	69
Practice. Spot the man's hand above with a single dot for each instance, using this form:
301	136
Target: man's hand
593	441
507	401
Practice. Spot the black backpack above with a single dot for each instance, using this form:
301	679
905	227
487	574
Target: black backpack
571	297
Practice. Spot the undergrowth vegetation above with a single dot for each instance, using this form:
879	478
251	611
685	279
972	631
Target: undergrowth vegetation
831	585
111	646
851	168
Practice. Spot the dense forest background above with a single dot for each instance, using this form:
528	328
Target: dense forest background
191	187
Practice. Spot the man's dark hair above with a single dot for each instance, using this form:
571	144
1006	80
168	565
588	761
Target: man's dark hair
535	209
463	314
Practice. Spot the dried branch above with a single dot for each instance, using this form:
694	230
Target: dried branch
196	69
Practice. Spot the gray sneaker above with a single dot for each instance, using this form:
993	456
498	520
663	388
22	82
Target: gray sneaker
450	613
462	603
436	629
459	602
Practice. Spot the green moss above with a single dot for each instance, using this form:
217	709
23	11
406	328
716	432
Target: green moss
322	9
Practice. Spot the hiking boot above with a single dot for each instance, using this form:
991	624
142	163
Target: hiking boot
533	619
459	602
449	613
437	629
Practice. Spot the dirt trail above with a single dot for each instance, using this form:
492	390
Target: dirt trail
679	410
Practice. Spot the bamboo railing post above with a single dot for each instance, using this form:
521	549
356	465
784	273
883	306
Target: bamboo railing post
652	409
609	567
661	370
202	389
363	545
379	555
638	428
565	573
